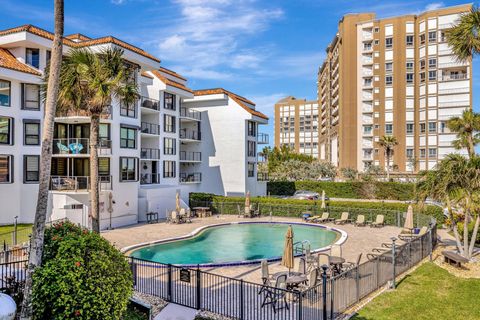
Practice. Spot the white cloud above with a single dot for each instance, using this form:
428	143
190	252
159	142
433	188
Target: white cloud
117	1
434	6
266	103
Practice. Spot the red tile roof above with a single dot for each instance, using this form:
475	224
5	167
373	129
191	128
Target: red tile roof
78	36
169	82
172	73
8	60
145	74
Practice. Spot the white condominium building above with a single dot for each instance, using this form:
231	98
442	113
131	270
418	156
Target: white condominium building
172	140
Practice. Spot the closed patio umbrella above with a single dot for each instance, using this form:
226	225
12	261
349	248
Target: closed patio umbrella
247	203
409	218
323	199
287	258
177	202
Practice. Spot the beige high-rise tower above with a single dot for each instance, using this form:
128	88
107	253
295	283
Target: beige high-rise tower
394	76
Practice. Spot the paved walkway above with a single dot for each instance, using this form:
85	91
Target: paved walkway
176	312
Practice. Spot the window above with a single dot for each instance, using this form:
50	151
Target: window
6	169
104	135
422	39
376	42
443	127
6	130
168	123
422	64
252	129
169	101
31	133
422	76
432	127
432	36
30	96
252	146
432	63
128	169
251	169
409	65
128	138
128	110
388	128
388	43
422	153
33	57
376	30
5	91
422	127
169	146
409	40
410	127
409	153
367	46
432	75
104	166
388	80
432	152
169	169
31	169
389	67
48	57
409	77
367	129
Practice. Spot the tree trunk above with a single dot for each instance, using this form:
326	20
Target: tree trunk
465	235
94	191
471	146
388	166
454	226
474	236
36	243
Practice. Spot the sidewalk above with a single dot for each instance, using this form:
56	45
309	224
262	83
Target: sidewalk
176	312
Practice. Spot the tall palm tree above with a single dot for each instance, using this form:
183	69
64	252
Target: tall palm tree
388	143
90	82
36	244
464	37
467	128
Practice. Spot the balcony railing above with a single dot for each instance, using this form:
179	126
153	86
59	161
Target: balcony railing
71	146
192	114
261	157
150	103
453	77
454	90
262	138
262	176
190	156
150	178
78	183
150	128
452	64
194	177
458	103
190	134
149	153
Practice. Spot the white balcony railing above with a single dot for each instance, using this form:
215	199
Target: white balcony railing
150	178
194	177
78	183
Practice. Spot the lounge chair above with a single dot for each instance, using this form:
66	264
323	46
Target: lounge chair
325	217
62	148
409	237
351	265
274	296
174	217
379	221
343	219
360	220
336	250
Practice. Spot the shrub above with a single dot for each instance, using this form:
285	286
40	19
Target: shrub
82	277
470	231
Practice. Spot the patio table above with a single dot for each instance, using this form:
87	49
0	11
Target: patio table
201	211
337	263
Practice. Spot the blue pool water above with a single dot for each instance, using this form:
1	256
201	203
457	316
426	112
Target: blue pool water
234	243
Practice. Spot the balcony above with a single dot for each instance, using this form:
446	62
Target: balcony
454	90
190	178
190	156
454	77
188	114
149	178
78	183
150	128
78	113
149	153
150	104
452	64
190	135
262	176
80	146
457	103
262	138
261	157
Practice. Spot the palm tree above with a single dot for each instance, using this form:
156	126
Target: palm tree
37	239
89	82
467	128
464	37
388	143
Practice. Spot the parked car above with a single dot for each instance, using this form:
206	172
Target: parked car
305	195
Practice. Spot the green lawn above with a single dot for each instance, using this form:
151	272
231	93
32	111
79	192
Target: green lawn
23	231
429	292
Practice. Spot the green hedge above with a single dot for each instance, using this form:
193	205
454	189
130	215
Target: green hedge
352	190
294	208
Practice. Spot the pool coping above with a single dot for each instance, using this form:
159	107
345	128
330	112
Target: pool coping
343	237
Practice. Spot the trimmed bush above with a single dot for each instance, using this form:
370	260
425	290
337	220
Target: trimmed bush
82	277
351	190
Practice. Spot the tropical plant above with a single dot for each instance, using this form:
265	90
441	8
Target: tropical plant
455	181
388	143
82	277
293	170
349	174
90	82
278	155
467	128
51	94
464	37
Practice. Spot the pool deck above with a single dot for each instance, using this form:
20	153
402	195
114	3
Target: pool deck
360	240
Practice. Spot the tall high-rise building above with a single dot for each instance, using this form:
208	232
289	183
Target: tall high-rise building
393	76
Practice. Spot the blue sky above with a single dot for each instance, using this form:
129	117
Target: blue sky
263	50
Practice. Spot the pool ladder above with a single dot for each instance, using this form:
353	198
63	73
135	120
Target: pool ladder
301	247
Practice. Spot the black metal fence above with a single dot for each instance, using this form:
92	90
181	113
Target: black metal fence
12	273
240	299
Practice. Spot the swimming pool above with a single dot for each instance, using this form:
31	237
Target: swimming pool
237	243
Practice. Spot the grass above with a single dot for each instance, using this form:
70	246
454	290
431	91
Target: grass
430	292
23	231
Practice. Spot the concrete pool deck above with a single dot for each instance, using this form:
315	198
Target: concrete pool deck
360	240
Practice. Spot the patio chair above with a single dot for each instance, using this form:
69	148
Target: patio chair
174	217
240	214
360	220
379	221
351	265
301	266
188	216
255	212
62	148
310	259
325	217
267	278
343	219
409	237
312	283
323	259
276	295
336	250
